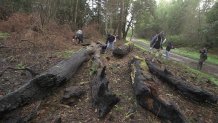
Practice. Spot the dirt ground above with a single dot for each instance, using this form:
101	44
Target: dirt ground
48	48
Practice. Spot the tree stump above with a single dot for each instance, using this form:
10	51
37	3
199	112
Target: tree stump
147	96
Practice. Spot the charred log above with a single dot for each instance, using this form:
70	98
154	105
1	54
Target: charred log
102	98
123	50
189	91
41	85
147	96
16	117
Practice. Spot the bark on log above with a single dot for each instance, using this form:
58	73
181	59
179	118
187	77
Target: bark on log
42	84
147	96
102	98
189	91
123	50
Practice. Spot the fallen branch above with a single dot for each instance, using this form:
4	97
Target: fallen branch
189	91
41	85
147	96
102	97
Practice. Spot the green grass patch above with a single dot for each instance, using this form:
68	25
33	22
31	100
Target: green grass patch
20	66
65	54
144	41
4	35
213	59
201	75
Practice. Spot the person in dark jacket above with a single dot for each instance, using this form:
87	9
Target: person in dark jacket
110	41
203	57
156	43
168	48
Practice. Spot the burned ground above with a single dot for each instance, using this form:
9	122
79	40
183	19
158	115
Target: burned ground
41	50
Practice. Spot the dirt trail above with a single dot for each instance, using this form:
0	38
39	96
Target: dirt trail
208	68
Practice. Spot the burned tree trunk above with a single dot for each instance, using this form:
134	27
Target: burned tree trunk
102	98
147	96
189	91
123	50
42	84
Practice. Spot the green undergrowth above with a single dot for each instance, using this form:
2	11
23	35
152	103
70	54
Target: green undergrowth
3	35
144	41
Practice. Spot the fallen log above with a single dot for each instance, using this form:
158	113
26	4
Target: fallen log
102	98
147	96
41	85
123	50
18	117
189	91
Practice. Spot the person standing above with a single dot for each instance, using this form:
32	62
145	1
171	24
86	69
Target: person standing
79	36
203	57
156	43
110	41
168	48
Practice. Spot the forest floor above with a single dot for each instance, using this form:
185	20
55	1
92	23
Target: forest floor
41	50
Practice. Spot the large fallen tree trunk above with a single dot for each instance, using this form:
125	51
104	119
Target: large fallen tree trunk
102	98
189	91
147	96
39	86
123	50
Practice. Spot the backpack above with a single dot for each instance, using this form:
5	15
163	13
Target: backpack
153	40
158	42
203	54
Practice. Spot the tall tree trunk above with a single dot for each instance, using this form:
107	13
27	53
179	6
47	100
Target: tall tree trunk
128	26
75	14
99	13
124	29
132	32
120	24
